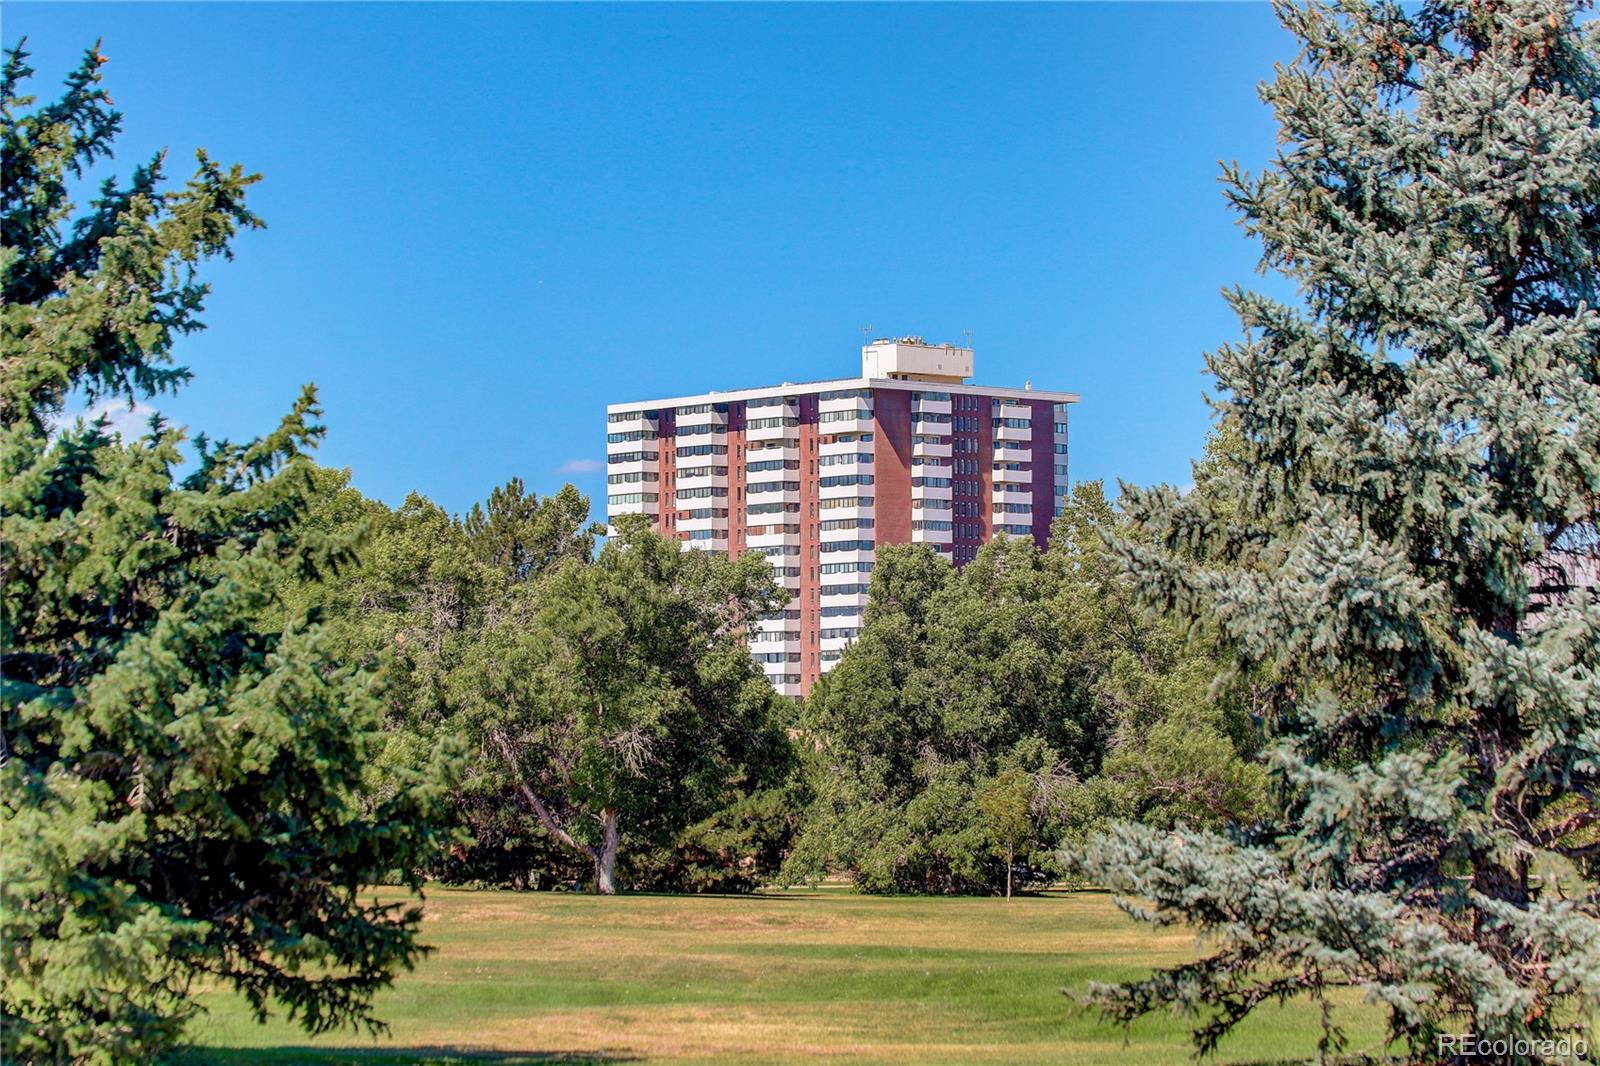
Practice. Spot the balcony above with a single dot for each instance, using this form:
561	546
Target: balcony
1012	452
645	443
846	403
650	505
923	406
641	467
702	481
789	427
712	416
933	536
860	423
780	538
854	599
1007	493
931	492
714	544
1014	433
1013	408
689	525
789	452
766	638
929	449
855	467
1012	477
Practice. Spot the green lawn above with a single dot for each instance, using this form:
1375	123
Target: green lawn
773	978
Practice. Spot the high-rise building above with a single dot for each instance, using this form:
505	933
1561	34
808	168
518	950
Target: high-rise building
816	475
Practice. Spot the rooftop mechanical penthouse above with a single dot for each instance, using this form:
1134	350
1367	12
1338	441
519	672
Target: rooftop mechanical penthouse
816	475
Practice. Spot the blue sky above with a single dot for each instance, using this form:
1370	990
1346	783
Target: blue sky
486	221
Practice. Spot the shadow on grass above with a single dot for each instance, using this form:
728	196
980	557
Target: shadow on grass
404	1056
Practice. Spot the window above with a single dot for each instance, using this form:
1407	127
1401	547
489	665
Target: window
836	480
846	523
863	567
758	465
763	487
930	482
633	497
632	434
771	423
706	493
846	546
628	416
844	416
631	479
834	503
847	457
773	508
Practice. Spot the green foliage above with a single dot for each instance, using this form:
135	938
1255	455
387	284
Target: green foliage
1411	479
1022	666
181	751
617	698
607	698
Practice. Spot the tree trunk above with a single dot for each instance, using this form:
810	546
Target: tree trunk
1010	850
605	856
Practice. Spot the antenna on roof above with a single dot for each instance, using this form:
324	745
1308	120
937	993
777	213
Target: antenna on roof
967	334
866	335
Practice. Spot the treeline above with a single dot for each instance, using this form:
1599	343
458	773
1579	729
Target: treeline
611	729
612	732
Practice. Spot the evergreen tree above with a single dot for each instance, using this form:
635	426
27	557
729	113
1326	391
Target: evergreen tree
180	794
1409	455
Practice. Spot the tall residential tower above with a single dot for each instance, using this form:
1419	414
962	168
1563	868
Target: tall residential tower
816	475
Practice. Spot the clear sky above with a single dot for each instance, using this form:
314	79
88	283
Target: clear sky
486	221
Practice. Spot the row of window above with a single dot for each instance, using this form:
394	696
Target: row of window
845	457
852	415
846	546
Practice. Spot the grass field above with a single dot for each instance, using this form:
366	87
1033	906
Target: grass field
779	977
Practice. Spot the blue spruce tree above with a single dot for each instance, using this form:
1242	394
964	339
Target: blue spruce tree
1413	485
